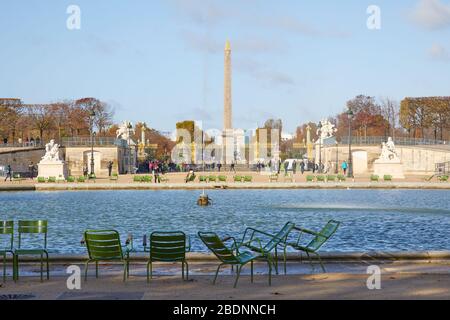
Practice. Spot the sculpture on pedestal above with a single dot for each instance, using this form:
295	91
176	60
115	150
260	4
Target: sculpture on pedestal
51	165
389	162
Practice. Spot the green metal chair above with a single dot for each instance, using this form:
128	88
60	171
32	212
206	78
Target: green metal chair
32	228
228	257
237	178
168	247
105	245
212	178
7	229
318	240
265	243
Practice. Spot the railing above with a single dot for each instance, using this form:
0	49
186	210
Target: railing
21	145
402	141
443	168
97	141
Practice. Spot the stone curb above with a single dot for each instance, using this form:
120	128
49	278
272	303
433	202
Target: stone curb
327	256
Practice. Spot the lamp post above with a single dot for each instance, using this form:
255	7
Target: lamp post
91	123
350	157
129	146
336	170
319	126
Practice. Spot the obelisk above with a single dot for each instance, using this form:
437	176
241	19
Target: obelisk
227	111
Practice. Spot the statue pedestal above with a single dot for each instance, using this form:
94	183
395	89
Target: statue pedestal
55	169
393	168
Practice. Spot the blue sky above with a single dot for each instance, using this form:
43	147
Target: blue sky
161	61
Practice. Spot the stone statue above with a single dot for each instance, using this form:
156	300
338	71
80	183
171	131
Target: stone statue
124	132
51	152
327	130
388	151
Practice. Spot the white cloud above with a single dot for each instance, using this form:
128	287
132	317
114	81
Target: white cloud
431	14
438	52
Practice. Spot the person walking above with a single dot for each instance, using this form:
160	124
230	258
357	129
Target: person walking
8	173
85	170
344	167
232	167
302	167
286	167
219	165
294	167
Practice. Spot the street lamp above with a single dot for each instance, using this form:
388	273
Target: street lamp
350	157
129	146
91	123
336	170
319	126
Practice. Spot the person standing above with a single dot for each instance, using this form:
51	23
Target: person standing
31	170
302	167
286	167
232	167
294	167
110	166
8	173
219	165
344	167
85	170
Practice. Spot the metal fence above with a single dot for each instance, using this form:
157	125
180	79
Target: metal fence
443	168
97	141
402	141
21	145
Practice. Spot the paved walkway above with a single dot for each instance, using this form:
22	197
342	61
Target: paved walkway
260	181
399	280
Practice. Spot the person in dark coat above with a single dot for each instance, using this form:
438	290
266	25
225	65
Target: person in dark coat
8	173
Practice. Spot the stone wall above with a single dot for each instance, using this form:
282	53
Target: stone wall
419	160
19	159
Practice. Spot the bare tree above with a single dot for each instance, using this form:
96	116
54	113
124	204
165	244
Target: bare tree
390	110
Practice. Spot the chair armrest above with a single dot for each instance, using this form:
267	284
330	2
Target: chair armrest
314	233
254	231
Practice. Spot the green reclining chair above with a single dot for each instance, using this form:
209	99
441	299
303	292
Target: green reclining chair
264	243
228	257
319	239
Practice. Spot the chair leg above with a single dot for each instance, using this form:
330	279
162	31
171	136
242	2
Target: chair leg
284	258
148	271
124	271
310	261
217	273
237	276
96	269
17	267
182	270
48	269
251	271
321	264
276	260
86	266
270	272
187	270
4	267
42	267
